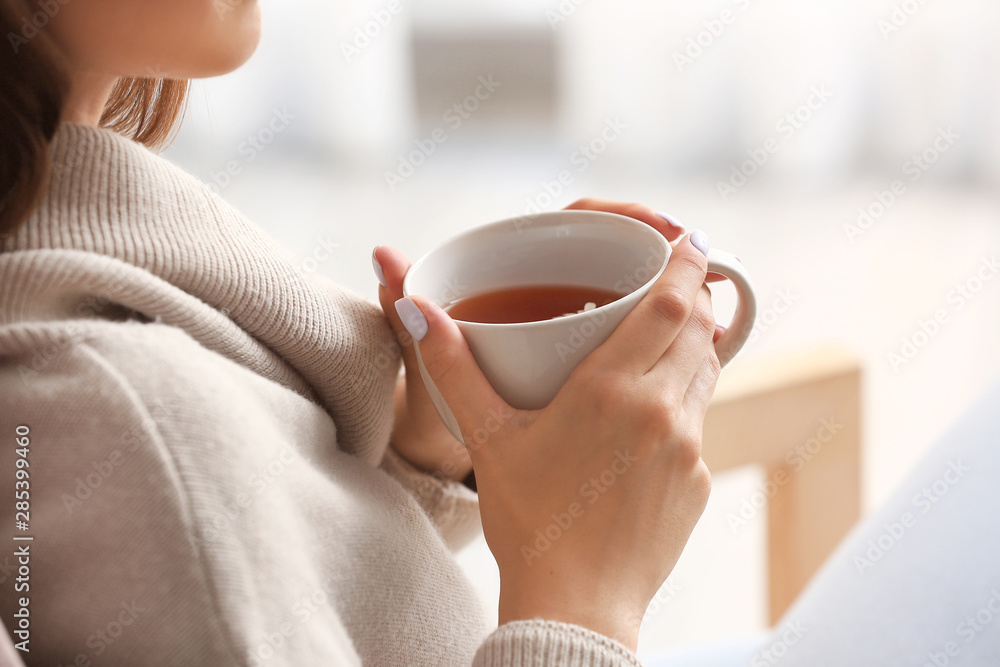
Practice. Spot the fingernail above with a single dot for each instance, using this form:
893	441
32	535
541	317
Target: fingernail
378	268
671	220
700	241
413	319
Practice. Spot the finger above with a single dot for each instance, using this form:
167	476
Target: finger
646	332
661	222
450	364
674	371
390	267
702	387
719	330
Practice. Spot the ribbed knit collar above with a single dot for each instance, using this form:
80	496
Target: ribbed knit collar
112	202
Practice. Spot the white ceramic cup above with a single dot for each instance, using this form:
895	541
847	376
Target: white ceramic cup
527	363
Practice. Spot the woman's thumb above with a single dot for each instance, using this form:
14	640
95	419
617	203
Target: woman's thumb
452	368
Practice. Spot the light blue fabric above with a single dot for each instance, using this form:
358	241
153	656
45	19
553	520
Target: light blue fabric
720	654
916	583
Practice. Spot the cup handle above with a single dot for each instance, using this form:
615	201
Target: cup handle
746	307
441	405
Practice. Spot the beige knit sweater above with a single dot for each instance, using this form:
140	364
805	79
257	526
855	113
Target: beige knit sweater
208	467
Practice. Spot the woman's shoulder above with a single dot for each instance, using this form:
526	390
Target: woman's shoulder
54	368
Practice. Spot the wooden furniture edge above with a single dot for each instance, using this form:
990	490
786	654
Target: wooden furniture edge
798	416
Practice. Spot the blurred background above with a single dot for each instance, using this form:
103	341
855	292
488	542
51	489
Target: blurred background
848	152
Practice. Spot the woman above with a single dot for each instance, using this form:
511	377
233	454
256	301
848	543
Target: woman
221	468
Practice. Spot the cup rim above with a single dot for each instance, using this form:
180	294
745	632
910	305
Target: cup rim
506	222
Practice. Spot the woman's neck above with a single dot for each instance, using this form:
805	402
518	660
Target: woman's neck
88	94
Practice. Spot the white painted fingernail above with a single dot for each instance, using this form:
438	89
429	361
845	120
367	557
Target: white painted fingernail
378	269
700	241
671	220
412	318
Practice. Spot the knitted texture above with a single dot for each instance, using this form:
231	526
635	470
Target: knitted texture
538	643
210	476
112	197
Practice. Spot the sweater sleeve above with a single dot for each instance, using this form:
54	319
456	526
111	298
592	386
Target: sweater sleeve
113	574
452	506
163	506
539	643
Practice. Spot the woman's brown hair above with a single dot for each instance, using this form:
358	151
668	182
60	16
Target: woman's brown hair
33	91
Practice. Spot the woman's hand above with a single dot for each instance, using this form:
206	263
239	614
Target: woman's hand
418	434
587	503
